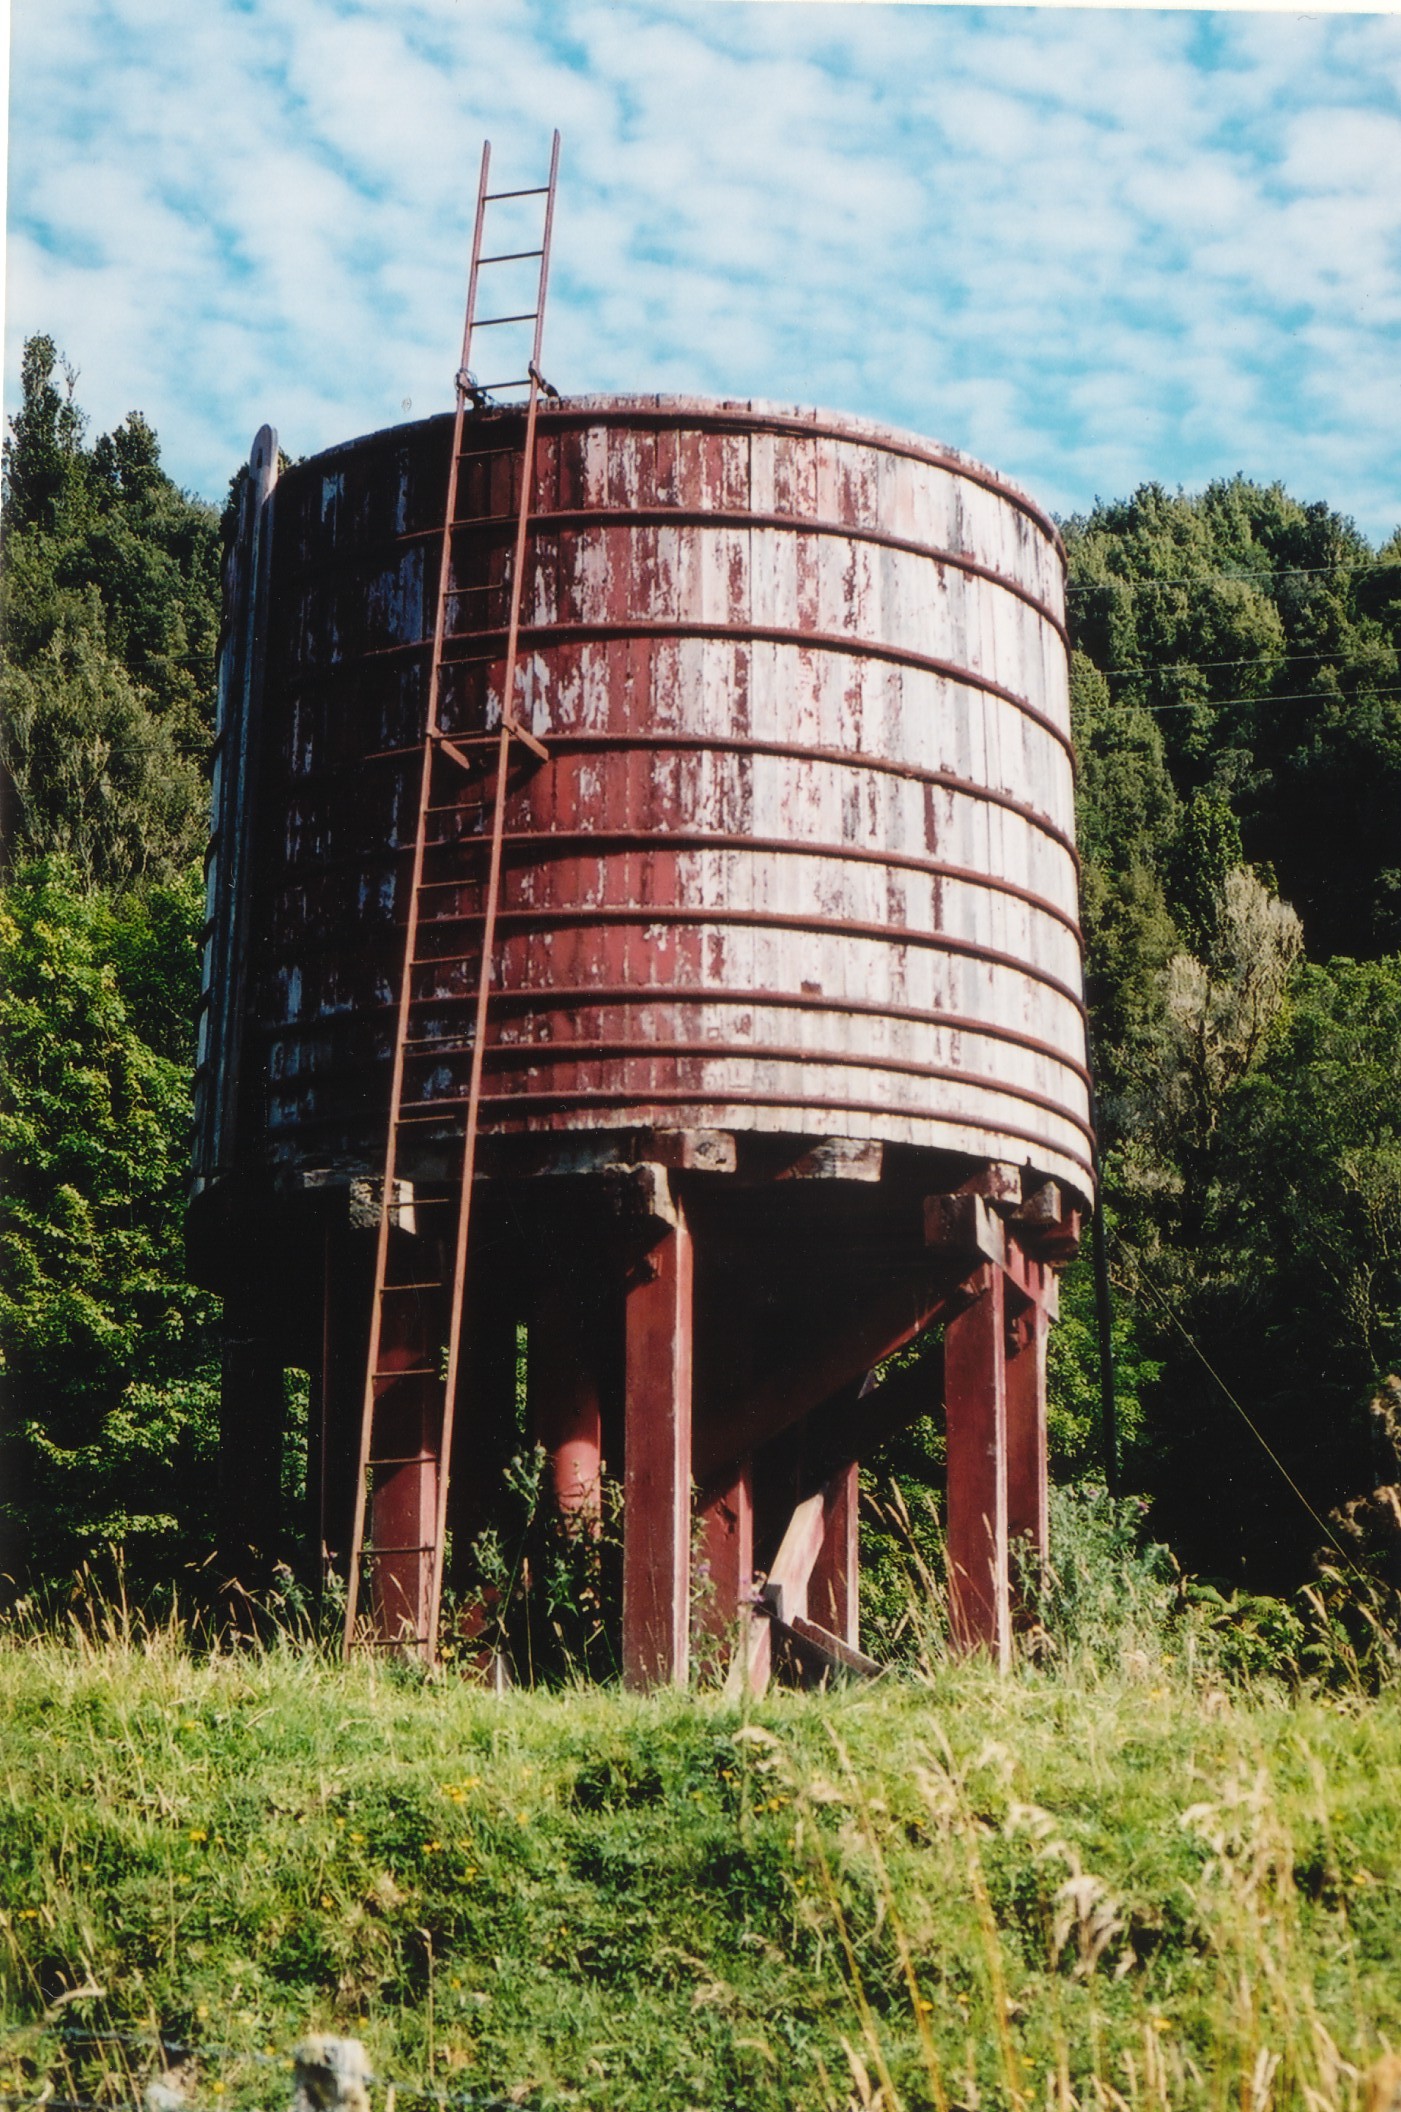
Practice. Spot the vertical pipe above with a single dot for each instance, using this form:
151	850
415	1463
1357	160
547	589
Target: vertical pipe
975	1395
252	1414
1104	1312
1028	1517
566	1396
657	1467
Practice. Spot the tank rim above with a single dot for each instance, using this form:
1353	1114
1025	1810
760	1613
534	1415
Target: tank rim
740	411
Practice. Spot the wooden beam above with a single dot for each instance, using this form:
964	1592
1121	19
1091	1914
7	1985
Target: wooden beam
785	1590
832	1652
975	1395
837	1159
902	1311
833	1597
657	1464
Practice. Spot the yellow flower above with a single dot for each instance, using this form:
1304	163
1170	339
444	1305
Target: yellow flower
197	1833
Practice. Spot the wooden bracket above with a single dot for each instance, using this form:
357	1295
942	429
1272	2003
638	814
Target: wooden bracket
837	1159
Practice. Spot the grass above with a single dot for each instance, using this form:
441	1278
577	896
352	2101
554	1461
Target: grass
1110	1881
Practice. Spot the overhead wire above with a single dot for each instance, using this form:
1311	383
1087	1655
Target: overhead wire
1245	660
1294	696
1196	579
1147	1284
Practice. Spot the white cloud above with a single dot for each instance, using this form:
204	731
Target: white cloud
1093	247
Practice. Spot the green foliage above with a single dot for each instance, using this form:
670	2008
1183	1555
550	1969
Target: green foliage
1237	698
1074	1414
109	620
542	1590
1264	638
109	1427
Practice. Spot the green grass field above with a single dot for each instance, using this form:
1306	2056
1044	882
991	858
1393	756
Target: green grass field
1115	1884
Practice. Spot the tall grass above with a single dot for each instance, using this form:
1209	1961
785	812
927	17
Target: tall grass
1143	1872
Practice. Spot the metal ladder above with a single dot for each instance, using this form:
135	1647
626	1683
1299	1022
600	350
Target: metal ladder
407	1414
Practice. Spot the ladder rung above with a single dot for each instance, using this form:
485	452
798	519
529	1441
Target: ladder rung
511	256
422	1547
494	322
522	381
436	1285
394	1642
405	1459
409	1371
537	190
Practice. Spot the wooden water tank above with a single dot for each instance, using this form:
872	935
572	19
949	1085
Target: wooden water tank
801	859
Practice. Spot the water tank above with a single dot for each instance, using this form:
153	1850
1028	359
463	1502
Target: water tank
786	982
802	858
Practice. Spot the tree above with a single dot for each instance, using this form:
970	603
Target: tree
109	1426
109	623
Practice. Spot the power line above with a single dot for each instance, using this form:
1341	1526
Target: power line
1253	1427
1172	667
1197	579
1297	696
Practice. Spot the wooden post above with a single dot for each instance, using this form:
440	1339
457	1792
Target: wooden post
832	1587
1027	1513
252	1415
727	1549
975	1396
404	1500
565	1393
347	1289
657	1465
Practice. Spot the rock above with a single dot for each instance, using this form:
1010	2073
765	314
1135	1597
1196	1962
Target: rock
331	2075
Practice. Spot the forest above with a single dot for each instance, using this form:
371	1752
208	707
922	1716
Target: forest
1236	690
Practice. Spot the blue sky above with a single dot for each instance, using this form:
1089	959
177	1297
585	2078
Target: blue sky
1091	247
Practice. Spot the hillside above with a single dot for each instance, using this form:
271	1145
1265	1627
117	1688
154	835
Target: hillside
1130	1877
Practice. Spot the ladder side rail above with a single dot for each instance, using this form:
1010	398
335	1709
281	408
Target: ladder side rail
401	1030
478	228
493	897
545	260
387	1201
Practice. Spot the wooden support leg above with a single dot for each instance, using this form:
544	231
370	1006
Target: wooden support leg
565	1392
832	1587
657	1466
975	1395
485	1432
1027	1517
252	1414
347	1290
404	1494
727	1550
